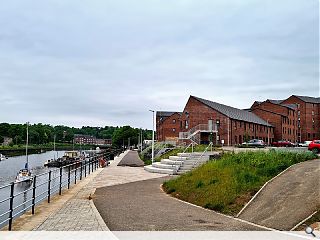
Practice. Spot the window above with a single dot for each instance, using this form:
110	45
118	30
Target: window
298	113
187	124
173	121
312	113
309	135
173	129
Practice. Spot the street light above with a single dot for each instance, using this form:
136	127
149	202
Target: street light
152	135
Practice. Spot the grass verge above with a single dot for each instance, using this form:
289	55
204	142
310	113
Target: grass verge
226	185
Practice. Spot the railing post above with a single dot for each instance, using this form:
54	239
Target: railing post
60	181
49	186
80	171
89	166
85	168
34	194
68	176
11	205
75	175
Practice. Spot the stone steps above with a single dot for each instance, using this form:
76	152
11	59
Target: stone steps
158	170
180	164
164	166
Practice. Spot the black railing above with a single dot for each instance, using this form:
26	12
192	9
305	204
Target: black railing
24	196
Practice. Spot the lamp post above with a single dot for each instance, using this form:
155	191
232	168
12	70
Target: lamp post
152	135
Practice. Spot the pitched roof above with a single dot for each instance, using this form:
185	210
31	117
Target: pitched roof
308	99
233	113
276	101
279	102
165	113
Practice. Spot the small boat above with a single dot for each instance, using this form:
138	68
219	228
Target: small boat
69	157
2	157
24	175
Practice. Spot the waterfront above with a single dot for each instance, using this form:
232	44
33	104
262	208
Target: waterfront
23	191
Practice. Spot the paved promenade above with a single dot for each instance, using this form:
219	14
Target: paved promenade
73	211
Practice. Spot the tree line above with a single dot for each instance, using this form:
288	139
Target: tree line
44	133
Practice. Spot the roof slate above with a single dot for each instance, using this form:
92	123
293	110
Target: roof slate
233	113
165	113
308	99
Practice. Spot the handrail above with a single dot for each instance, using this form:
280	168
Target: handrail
210	144
178	166
54	186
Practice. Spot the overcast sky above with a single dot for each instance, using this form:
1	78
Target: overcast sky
108	62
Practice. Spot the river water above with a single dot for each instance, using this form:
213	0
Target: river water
23	191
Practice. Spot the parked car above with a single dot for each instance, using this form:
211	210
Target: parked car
314	146
255	143
304	144
283	144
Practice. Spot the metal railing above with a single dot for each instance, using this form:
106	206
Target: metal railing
201	156
195	130
24	196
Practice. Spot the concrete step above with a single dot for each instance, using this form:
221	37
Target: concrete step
186	167
182	172
164	166
152	169
177	158
171	162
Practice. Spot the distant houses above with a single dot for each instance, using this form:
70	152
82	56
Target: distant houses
91	140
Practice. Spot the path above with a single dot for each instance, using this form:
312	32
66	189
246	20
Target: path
131	159
73	211
288	199
142	206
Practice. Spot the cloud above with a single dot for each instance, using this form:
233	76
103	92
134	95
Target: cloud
109	62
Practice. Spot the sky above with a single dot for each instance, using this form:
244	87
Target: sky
108	62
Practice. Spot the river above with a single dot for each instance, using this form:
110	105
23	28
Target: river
23	191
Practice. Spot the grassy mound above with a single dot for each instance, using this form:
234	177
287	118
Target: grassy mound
225	185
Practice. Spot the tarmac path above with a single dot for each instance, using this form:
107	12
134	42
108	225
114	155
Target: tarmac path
143	206
288	199
131	159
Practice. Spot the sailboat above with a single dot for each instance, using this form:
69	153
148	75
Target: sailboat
2	157
24	174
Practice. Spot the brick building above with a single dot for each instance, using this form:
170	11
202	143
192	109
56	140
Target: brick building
168	126
294	119
204	121
230	125
87	139
308	116
281	115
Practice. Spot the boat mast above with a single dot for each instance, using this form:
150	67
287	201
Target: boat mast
54	147
27	145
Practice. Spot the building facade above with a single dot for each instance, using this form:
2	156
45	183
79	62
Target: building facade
91	140
280	115
204	121
231	125
295	119
308	116
168	126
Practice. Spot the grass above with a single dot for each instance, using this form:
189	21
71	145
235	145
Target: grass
225	185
